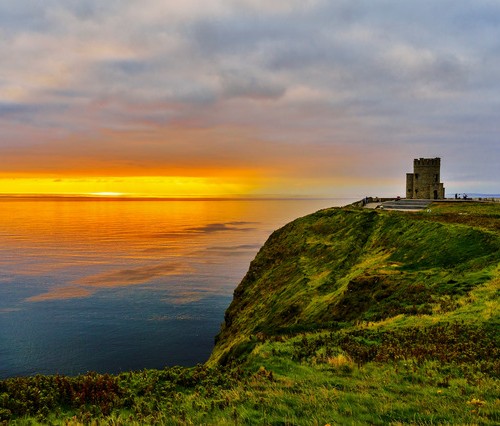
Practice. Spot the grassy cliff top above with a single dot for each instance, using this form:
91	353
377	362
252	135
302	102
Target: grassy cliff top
346	316
351	268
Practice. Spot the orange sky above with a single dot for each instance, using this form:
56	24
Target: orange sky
179	161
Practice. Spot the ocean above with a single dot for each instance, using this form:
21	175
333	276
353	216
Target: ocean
110	286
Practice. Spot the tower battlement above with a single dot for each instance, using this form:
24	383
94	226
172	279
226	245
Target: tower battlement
427	162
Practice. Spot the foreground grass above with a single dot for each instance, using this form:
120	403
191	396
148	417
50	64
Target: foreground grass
346	316
272	388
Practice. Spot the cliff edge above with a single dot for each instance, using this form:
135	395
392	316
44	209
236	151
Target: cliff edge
357	269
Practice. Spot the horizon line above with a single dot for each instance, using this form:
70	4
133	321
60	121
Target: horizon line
132	197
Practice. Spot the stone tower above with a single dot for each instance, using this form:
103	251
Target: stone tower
424	181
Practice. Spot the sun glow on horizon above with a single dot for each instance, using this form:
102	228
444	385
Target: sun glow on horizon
132	186
107	194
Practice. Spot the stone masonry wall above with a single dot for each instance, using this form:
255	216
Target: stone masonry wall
424	182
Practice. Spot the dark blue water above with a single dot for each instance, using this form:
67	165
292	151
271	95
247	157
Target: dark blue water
113	331
116	286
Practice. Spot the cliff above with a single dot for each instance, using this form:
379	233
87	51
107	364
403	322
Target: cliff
342	268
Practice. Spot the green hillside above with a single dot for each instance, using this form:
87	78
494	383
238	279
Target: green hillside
346	316
345	268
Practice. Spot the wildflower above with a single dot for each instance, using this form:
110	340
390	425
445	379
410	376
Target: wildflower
476	402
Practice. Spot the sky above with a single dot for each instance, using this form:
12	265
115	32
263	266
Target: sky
247	97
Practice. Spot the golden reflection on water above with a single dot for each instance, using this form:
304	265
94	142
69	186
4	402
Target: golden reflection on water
78	248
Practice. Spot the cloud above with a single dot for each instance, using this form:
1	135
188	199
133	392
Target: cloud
241	247
8	310
239	85
221	227
179	317
233	251
87	286
61	293
131	276
287	89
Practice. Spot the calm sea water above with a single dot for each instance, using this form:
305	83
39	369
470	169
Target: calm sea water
110	286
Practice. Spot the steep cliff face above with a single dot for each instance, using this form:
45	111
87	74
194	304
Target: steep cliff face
341	267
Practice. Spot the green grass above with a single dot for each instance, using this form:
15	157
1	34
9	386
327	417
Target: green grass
346	316
273	389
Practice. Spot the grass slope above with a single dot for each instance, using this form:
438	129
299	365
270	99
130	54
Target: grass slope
345	267
346	316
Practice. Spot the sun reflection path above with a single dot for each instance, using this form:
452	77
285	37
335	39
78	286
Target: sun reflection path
107	194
